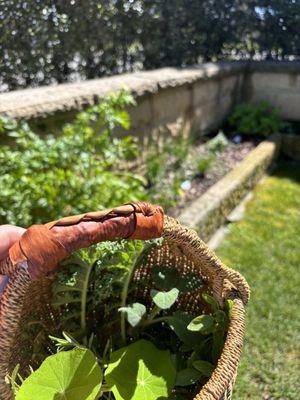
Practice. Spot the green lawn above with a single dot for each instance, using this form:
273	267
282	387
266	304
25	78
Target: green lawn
265	248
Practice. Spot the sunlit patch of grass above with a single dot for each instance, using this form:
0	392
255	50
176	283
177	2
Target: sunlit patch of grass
265	248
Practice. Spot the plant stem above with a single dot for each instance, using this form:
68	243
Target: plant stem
105	388
124	298
155	310
84	293
149	322
84	298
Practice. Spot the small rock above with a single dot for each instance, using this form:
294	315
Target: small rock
186	185
237	139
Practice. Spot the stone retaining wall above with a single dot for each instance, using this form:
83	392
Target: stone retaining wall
278	83
169	100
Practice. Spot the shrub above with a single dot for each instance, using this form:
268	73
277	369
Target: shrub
255	119
82	169
218	143
204	163
85	167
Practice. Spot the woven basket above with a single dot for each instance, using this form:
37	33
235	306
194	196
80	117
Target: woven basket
31	266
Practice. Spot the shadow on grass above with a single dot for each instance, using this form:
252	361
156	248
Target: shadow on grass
287	168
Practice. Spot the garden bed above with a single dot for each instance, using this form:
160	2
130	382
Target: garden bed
227	160
208	212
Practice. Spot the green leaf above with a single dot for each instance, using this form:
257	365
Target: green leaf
66	343
13	378
140	372
201	352
164	300
185	348
187	377
211	301
179	322
222	320
165	278
67	375
203	324
205	367
134	313
229	305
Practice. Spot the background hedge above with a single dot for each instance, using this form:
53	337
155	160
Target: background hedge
46	41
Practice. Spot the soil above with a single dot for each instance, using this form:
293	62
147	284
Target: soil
225	162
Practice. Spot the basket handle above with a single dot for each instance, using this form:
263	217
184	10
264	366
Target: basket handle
42	247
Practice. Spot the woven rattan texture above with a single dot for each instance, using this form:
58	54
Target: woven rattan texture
28	319
26	312
225	283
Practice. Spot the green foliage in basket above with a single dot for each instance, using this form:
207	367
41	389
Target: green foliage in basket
256	119
154	351
140	371
90	278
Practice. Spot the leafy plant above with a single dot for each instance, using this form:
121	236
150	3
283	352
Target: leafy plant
83	168
204	163
140	371
218	143
256	119
164	300
90	278
66	375
155	352
134	313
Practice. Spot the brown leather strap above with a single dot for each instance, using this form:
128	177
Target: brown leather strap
44	246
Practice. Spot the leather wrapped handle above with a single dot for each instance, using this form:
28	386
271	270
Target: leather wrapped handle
42	247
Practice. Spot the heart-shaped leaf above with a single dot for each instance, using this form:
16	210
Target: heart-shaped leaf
164	300
140	372
165	278
67	375
205	367
203	324
134	313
